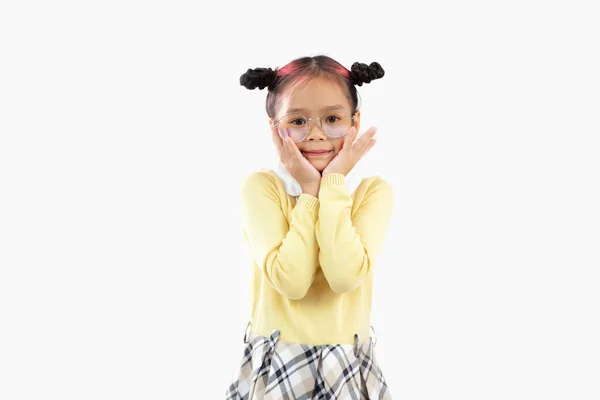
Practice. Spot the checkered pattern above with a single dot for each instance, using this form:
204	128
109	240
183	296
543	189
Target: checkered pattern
277	370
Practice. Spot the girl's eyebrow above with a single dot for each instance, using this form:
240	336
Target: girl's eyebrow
292	110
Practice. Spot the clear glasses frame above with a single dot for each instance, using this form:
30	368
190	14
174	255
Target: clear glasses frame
320	119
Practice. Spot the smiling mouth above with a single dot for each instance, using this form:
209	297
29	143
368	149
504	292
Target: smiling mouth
317	153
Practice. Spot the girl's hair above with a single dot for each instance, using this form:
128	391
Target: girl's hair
304	68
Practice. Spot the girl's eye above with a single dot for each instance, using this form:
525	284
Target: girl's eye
331	119
297	121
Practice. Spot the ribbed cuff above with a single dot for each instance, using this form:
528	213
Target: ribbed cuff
310	202
333	180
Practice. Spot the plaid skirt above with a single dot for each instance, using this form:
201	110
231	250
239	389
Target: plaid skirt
278	370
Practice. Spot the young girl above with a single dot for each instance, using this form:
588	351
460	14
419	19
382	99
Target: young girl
314	228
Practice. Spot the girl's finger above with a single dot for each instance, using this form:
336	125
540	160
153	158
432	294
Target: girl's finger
369	134
365	139
354	134
285	155
368	146
286	148
281	153
293	151
350	138
276	139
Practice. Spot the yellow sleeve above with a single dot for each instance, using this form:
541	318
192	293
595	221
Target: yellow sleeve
349	244
287	253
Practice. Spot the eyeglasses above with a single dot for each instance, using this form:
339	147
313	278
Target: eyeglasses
335	123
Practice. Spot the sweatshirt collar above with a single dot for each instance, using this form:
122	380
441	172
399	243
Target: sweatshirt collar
292	187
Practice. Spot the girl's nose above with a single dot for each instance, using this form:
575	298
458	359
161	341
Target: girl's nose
314	131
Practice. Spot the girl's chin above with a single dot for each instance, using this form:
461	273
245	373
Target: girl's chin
320	165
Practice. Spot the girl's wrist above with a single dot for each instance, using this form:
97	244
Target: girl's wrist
311	189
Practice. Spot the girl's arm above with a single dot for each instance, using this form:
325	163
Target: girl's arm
349	244
287	253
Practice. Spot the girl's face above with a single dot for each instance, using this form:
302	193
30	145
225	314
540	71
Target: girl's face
312	99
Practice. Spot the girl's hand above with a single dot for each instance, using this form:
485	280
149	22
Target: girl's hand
351	152
299	167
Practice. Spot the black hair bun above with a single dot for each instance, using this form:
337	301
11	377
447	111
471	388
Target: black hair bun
257	78
362	73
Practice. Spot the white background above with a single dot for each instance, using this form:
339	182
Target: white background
125	135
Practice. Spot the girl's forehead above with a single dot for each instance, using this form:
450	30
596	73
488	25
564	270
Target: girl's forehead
315	95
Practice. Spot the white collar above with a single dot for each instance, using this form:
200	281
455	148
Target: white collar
292	187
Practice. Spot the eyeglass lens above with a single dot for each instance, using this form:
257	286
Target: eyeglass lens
335	123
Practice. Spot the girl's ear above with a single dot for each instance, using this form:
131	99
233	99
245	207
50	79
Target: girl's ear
356	121
271	122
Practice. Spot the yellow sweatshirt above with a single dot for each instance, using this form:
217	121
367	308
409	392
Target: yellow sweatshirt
313	257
